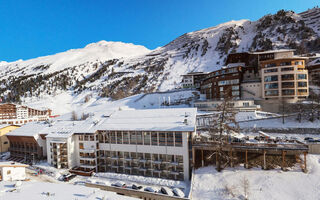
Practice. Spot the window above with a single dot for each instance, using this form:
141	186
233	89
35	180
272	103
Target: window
285	63
245	104
235	87
107	137
288	92
139	138
8	172
170	139
302	91
146	138
235	93
113	137
6	142
271	93
119	137
287	77
178	139
302	84
287	69
270	78
162	139
270	70
154	138
298	62
81	137
301	76
125	138
270	65
221	89
133	138
81	145
287	84
271	86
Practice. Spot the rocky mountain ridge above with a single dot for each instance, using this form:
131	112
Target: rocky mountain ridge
122	70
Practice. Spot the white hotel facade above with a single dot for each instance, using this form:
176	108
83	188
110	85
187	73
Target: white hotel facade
153	142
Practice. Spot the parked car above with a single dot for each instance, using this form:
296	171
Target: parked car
167	191
177	192
119	184
308	138
135	187
149	189
68	177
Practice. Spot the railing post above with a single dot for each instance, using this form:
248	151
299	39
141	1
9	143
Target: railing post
305	162
264	160
246	165
202	161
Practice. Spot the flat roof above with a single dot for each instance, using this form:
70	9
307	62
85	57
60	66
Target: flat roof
30	129
144	120
12	164
274	51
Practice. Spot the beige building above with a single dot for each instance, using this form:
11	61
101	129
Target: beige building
284	77
4	141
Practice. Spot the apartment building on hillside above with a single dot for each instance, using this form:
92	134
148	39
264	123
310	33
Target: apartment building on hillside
285	78
18	114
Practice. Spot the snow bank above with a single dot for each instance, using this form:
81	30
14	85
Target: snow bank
272	184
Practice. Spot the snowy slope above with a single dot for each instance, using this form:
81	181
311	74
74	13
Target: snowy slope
118	70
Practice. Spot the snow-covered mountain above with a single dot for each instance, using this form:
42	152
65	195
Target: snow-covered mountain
117	70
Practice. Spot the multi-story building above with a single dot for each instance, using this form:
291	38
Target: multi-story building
222	83
27	143
18	114
192	79
314	72
284	78
153	142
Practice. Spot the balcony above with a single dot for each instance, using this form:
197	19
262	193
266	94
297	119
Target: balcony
87	158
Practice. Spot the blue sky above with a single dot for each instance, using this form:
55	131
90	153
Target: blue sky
30	29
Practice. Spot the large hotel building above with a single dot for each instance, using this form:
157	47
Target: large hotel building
152	142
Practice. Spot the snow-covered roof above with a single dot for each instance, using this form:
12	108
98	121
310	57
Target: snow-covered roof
151	120
236	65
12	164
274	51
6	125
61	129
30	129
284	58
314	62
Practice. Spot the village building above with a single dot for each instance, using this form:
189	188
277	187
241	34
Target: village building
17	114
4	141
11	171
314	72
285	78
27	144
192	79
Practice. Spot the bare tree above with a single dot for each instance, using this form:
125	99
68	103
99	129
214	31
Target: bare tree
245	186
74	116
221	125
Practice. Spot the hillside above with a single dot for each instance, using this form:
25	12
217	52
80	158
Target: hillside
118	70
